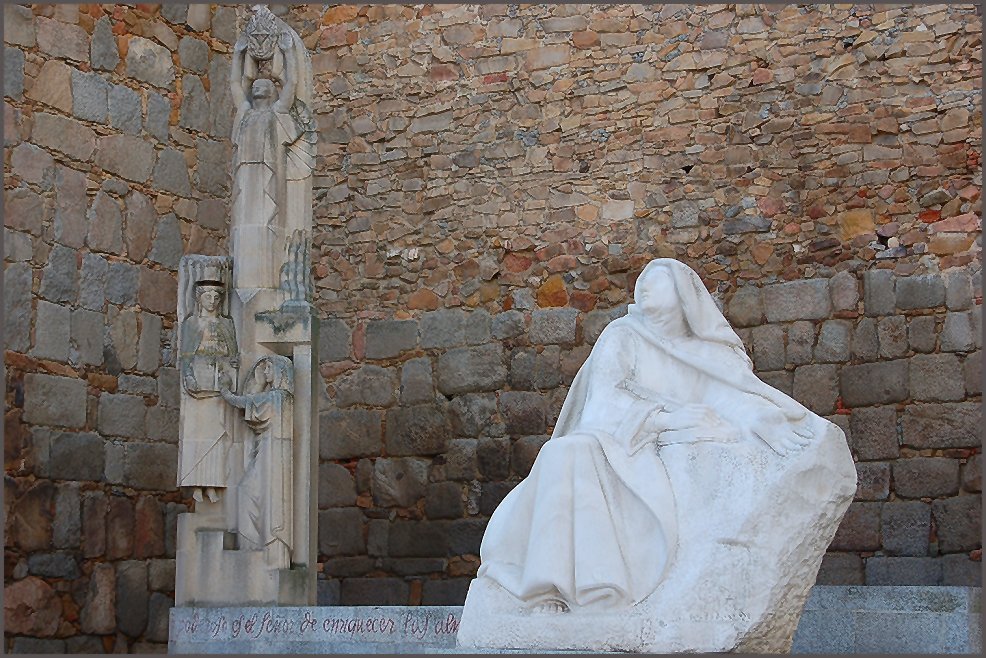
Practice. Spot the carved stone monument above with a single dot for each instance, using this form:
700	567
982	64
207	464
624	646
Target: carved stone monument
681	504
247	339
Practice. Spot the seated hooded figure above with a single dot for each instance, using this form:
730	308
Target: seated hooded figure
594	524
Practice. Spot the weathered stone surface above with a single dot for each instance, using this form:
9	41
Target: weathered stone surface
524	452
158	613
13	73
54	400
873	481
399	482
892	334
473	414
553	326
340	532
523	413
98	614
86	337
194	112
60	564
158	116
103	51
150	62
121	415
17	307
417	430
123	105
131	597
471	369
920	291
508	324
797	300
745	308
105	224
845	291
369	385
51	333
335	340
865	342
949	425
815	387
840	569
874	383
193	54
89	96
336	486
212	175
926	477
167	248
417	383
65	135
31	607
860	528
443	328
92	286
768	347
344	434
67	526
800	340
906	528
833	341
958	333
148	528
76	456
888	571
932	378
878	292
921	333
221	119
59	39
959	523
388	338
171	173
158	291
33	165
958	289
18	26
127	156
873	433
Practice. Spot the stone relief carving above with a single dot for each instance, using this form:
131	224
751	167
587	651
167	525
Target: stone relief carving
247	455
615	531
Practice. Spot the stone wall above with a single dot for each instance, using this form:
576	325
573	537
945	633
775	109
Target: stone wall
490	181
492	178
116	162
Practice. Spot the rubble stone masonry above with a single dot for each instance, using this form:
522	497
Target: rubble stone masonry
490	181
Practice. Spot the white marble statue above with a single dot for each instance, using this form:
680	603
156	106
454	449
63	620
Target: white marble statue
611	527
208	359
264	492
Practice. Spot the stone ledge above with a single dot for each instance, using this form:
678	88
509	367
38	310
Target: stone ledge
836	619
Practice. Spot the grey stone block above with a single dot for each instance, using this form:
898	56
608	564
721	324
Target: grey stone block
833	341
445	592
76	456
103	51
745	307
418	539
36	645
171	173
470	369
158	613
530	369
122	415
957	334
54	400
959	523
23	210
399	482
174	13
800	340
874	383
334	340
892	332
845	291
472	414
523	413
149	62
149	343
51	332
344	434
872	481
122	283
465	536
960	571
768	347
194	112
882	570
493	457
193	54
105	224
162	424
92	283
878	292
213	175
132	597
478	327
859	529
906	528
443	328
950	425
158	116
552	326
388	338
920	291
837	569
417	430
369	385
933	378
815	386
17	246
60	278
873	433
127	156
417	382
508	324
67	526
161	575
972	475
524	452
444	501
797	300
151	466
17	307
921	333
460	459
374	591
87	337
89	96
59	564
865	343
958	289
13	73
782	380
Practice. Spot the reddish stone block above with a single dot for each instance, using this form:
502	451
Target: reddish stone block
149	528
31	607
119	528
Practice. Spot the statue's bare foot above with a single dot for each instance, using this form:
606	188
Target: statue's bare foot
212	494
197	494
550	606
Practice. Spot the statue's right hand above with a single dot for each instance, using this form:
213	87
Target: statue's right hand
691	415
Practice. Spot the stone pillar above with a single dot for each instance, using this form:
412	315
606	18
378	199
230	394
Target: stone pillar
248	340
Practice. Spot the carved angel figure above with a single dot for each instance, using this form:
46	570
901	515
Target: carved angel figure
264	508
208	360
594	524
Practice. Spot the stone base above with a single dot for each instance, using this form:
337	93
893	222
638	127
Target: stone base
835	620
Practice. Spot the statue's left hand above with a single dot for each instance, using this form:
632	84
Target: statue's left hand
784	437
